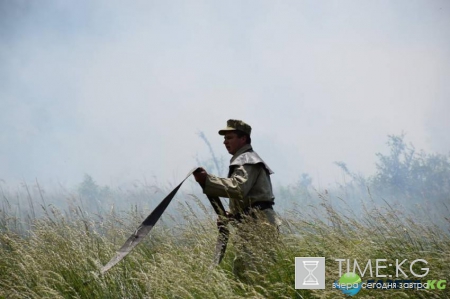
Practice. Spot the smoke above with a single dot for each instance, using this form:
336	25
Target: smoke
119	90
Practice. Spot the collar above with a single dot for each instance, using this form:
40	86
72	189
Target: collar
241	151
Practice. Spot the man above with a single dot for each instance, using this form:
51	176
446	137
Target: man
249	189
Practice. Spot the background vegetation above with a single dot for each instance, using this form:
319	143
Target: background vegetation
52	245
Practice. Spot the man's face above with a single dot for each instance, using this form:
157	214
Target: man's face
233	143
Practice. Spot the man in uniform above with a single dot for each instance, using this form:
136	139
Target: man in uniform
249	189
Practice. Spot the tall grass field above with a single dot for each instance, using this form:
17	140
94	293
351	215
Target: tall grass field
50	252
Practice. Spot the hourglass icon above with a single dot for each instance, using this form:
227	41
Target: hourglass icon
310	279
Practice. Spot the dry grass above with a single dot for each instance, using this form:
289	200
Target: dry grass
60	257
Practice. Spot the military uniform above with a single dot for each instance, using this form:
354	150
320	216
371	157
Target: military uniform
248	183
249	188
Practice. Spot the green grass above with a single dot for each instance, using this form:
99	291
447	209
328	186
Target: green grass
60	256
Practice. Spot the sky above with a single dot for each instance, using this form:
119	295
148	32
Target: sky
120	90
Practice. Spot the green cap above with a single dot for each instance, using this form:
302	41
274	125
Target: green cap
236	125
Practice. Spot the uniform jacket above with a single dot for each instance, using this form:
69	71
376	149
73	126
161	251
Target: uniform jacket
248	181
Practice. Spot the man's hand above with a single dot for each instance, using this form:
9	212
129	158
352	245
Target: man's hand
200	176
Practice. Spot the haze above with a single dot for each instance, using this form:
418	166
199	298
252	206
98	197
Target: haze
119	90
